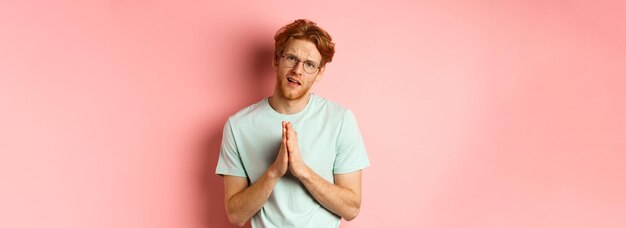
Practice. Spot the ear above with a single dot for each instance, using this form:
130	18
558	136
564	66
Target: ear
274	62
320	74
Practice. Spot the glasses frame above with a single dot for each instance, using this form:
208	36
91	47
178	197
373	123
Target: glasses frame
317	68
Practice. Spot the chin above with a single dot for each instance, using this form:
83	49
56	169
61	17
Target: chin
294	95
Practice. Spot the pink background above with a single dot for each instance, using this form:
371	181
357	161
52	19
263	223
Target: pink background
474	113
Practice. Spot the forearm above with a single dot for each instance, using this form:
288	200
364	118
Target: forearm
243	205
339	200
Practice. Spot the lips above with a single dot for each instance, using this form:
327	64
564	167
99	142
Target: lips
293	81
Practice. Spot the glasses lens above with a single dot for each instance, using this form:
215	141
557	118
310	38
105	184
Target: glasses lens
310	68
291	61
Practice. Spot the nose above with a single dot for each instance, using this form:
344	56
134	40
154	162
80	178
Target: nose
298	68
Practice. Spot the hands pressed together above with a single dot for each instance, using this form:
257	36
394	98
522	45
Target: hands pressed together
289	157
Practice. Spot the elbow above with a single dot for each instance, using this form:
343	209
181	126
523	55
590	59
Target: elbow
236	220
353	210
239	224
234	216
352	214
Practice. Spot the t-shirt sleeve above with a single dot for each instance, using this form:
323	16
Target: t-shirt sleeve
351	154
229	162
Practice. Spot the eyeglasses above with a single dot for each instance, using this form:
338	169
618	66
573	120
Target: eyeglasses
291	61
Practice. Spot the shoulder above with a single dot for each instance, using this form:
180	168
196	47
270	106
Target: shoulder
337	113
331	107
248	113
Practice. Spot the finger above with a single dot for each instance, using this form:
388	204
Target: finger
284	139
285	148
290	127
291	133
283	145
287	129
284	129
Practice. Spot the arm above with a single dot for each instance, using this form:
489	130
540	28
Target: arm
342	198
241	201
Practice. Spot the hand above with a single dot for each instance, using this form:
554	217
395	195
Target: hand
297	167
280	165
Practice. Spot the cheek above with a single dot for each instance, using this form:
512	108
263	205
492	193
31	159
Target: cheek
282	72
309	83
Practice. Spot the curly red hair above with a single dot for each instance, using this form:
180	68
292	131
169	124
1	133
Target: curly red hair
306	30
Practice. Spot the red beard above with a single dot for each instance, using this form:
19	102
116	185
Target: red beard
289	92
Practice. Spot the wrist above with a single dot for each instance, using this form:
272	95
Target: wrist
272	173
304	172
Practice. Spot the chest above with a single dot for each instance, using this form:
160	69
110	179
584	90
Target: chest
258	146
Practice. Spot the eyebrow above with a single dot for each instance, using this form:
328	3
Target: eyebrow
294	55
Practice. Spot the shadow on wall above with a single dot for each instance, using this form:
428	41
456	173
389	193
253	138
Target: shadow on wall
251	63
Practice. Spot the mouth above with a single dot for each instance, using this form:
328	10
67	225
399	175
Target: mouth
293	82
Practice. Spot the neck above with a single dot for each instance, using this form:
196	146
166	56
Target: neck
287	106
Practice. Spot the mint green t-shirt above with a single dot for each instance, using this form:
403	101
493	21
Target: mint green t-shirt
330	143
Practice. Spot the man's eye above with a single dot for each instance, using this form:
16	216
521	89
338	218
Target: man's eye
292	58
310	64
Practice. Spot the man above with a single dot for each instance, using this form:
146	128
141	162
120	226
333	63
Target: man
293	159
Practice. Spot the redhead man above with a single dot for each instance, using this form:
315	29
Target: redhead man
293	159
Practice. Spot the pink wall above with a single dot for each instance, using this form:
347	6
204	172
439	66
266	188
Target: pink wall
475	113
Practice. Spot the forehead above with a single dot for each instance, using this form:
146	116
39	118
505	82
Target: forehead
302	48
